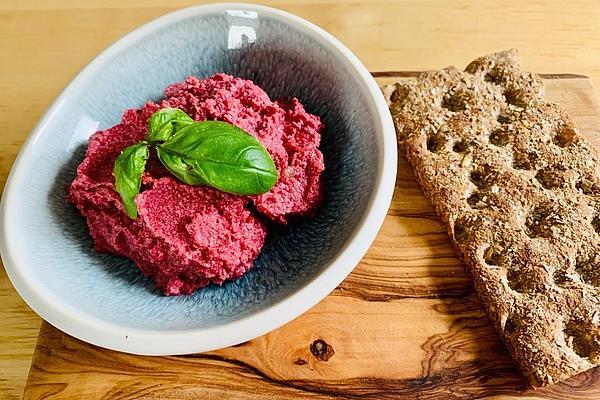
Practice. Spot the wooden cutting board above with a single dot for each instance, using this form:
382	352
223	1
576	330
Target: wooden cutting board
405	324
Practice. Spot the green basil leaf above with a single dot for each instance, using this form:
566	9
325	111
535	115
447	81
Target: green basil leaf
179	168
128	170
165	122
223	156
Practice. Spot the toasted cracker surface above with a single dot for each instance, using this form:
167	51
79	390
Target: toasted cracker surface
518	188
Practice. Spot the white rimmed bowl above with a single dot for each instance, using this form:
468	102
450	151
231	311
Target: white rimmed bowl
105	300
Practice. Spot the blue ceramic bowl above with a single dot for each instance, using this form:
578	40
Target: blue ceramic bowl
104	299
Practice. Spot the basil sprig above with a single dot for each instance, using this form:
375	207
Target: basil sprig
206	153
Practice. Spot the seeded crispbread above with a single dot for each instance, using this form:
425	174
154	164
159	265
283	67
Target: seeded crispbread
518	188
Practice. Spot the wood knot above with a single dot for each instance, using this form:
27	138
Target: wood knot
300	362
321	350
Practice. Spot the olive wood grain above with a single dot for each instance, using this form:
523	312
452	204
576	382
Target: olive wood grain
405	324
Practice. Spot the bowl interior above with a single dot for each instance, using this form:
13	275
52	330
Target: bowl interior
52	241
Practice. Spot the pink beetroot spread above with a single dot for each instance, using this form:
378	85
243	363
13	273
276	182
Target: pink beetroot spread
186	237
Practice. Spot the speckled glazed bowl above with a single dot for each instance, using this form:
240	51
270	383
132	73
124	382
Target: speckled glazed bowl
104	299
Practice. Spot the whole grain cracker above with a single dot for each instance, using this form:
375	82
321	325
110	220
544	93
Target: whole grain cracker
518	188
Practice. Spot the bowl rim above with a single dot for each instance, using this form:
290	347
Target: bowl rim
157	342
